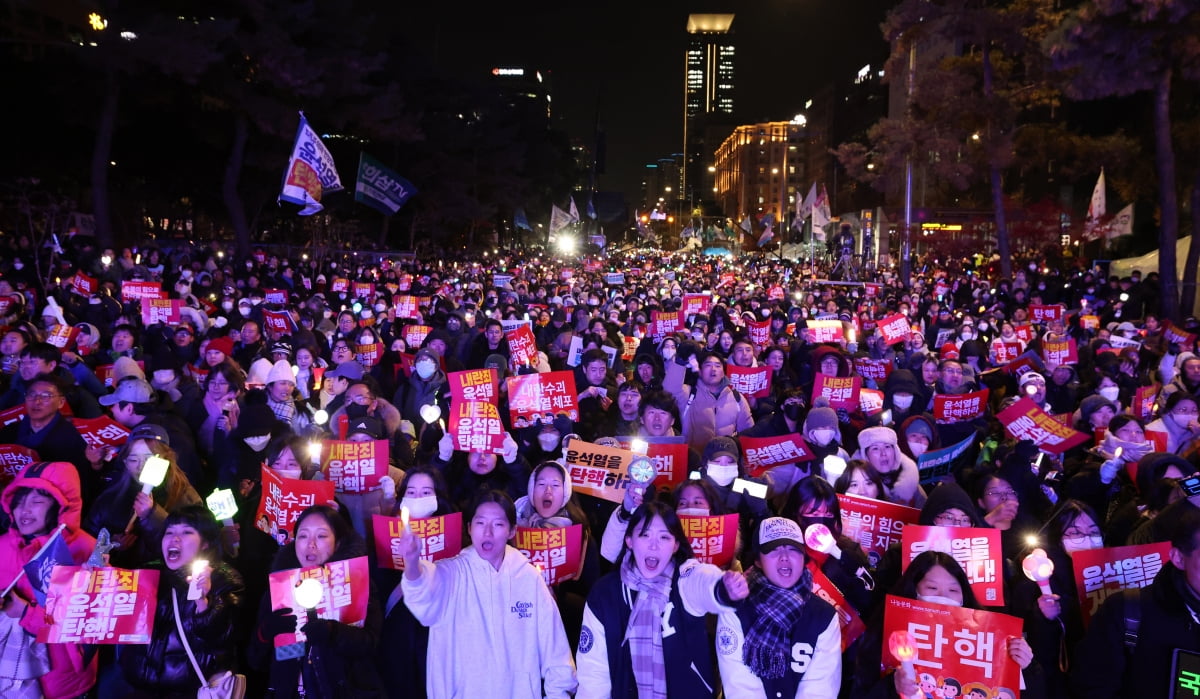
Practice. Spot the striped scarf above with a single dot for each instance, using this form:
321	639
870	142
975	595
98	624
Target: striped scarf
644	632
767	650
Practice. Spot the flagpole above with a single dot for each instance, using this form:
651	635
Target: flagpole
45	547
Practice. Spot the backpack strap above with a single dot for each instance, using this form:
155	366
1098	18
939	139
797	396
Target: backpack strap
1133	618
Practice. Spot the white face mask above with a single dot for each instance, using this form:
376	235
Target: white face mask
668	352
938	599
1110	393
823	437
903	402
420	507
548	441
425	369
257	443
1083	543
721	474
380	307
295	474
1182	420
918	448
692	511
227	306
244	310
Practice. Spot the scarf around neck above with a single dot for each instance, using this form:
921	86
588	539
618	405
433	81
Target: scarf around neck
644	631
767	649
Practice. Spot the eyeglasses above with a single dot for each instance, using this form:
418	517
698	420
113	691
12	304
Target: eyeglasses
1074	533
1002	494
361	399
39	397
341	348
949	520
217	385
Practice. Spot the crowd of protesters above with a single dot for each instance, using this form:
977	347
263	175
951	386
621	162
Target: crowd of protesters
226	390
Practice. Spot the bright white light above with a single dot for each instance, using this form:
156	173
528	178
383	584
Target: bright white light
308	593
128	36
567	244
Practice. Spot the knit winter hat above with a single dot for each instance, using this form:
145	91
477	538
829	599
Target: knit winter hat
919	427
1091	404
721	445
280	371
821	418
223	344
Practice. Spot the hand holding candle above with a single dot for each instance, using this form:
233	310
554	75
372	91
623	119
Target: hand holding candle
154	471
197	581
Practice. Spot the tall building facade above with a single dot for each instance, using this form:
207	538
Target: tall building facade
708	98
760	168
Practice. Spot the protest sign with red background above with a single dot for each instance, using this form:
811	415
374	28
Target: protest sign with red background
278	296
1101	572
414	335
369	355
283	499
345	586
556	553
339	284
968	645
1025	420
131	290
759	333
1056	353
765	453
84	285
522	346
62	336
870	401
963	406
874	524
13	458
101	431
1006	351
406	306
278	321
161	310
1144	401
1045	314
670	457
364	290
752	382
354	467
826	330
663	323
11	415
696	303
894	328
976	550
713	538
475	426
110	606
598	470
474	384
875	369
850	623
1089	322
1024	333
537	397
1176	335
439	537
842	392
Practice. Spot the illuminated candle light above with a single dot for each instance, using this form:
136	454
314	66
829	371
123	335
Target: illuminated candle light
404	518
904	649
154	471
1038	567
198	567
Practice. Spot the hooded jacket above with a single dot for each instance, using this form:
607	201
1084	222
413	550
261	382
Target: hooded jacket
69	674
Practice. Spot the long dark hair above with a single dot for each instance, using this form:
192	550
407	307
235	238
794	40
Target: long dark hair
812	492
640	521
906	586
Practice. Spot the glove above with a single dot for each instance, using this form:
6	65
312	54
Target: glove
510	449
843	415
446	447
319	631
280	621
685	351
1108	471
388	486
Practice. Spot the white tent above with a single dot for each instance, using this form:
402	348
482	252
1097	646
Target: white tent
1149	263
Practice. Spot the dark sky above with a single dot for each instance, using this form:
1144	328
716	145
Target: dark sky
630	56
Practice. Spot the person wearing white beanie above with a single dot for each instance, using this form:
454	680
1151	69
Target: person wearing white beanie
879	446
282	397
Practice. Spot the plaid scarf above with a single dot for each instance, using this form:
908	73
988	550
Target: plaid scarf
767	649
20	657
644	632
284	411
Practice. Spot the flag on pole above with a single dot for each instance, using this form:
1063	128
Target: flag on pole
380	188
310	172
747	225
520	220
804	209
591	209
38	569
574	211
1122	223
1096	210
820	212
767	220
559	219
766	236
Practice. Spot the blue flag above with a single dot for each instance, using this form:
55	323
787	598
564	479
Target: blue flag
520	220
591	209
380	188
38	570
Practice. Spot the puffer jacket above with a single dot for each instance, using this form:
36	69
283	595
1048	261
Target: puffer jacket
162	666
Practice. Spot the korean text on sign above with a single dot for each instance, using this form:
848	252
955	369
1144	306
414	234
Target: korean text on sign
976	550
1101	572
439	537
842	392
475	426
957	408
539	397
100	605
344	589
874	524
556	553
752	382
764	453
355	467
284	499
1025	420
474	384
713	538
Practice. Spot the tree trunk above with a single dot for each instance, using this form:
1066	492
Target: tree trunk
1002	247
1168	233
1188	297
229	185
106	127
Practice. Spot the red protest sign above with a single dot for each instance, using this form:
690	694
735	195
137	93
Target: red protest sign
539	397
826	330
1089	322
440	537
1174	334
1045	314
407	307
369	355
842	392
670	457
355	467
278	296
1025	420
62	336
283	499
475	426
13	458
339	284
713	538
663	323
597	470
875	369
522	346
870	290
344	589
1144	401
752	382
131	291
1006	352
874	524
109	606
759	332
850	623
1056	353
474	384
556	553
1024	333
764	453
414	335
968	645
629	345
1101	572
364	290
696	303
870	401
975	549
160	310
84	284
956	408
101	431
278	321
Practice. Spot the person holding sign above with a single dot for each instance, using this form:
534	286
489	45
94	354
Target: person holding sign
469	473
209	594
489	591
339	659
783	641
44	496
814	501
643	628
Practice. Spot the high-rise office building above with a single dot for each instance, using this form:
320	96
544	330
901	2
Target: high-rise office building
708	98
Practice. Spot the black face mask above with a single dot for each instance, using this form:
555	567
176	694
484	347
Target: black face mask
792	411
806	522
355	411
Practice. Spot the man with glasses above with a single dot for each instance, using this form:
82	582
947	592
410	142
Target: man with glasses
43	358
135	402
44	429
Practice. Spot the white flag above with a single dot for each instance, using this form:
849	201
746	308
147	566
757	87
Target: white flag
821	214
559	219
1122	223
747	225
803	209
574	211
310	172
1096	207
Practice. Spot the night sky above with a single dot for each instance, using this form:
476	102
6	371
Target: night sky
630	56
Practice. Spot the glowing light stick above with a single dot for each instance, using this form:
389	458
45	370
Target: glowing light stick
904	649
638	446
153	473
818	538
314	452
198	567
1038	567
834	466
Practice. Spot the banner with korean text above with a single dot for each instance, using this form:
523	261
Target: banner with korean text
1045	314
475	426
663	323
870	401
161	311
1025	420
894	328
474	384
764	453
406	307
670	457
959	407
13	459
439	537
278	321
522	346
345	586
354	467
849	621
934	465
598	470
283	499
842	392
132	291
414	335
110	606
966	645
696	303
557	553
1006	352
101	431
976	550
1056	353
759	333
752	382
310	171
63	336
826	331
876	370
713	538
874	524
536	398
1101	572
